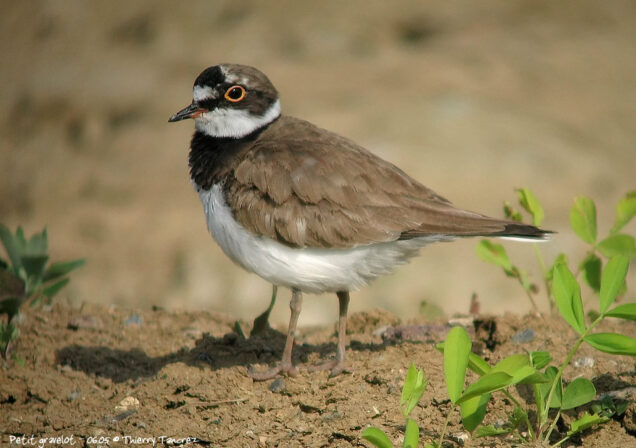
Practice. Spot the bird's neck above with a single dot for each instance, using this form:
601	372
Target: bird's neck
235	123
212	159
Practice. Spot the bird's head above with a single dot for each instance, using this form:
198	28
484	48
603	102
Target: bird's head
231	100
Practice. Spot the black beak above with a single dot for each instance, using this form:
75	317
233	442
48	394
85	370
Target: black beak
192	111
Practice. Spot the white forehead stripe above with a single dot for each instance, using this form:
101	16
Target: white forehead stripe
234	78
202	93
235	123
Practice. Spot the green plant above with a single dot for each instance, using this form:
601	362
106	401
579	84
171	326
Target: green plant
27	279
533	369
455	364
414	386
583	223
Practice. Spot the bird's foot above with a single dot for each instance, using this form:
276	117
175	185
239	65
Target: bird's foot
334	366
282	368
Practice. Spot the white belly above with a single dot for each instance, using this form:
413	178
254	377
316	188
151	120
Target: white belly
307	269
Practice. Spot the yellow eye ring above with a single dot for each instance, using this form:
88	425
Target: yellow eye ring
235	93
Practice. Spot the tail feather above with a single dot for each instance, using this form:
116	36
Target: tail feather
474	225
519	231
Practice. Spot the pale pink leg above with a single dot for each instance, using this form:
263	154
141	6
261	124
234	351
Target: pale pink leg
285	367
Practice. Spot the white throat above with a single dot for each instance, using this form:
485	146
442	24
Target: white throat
234	123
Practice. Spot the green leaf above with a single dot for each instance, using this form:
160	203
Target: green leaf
560	259
518	417
494	253
614	343
53	289
583	219
20	239
567	295
475	363
591	268
585	422
377	437
544	389
478	365
411	435
488	383
539	359
12	248
456	351
607	407
487	431
414	386
625	311
409	384
34	265
531	204
528	375
511	364
612	280
518	366
38	243
618	244
625	211
8	333
579	392
473	411
60	269
511	213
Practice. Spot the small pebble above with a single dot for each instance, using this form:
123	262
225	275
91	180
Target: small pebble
65	368
277	386
584	361
134	319
99	434
466	322
523	336
460	438
126	404
73	395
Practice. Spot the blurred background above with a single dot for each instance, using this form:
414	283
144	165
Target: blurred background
471	98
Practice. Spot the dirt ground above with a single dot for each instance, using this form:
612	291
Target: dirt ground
94	372
471	98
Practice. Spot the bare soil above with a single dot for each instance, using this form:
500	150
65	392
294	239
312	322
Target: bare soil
102	374
472	98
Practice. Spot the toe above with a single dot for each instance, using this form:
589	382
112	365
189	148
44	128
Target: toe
264	375
284	369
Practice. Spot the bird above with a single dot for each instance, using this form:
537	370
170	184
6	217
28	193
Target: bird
305	208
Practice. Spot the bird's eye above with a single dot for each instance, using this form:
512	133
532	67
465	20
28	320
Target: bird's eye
235	94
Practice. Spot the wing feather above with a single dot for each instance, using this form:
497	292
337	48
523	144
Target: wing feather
323	190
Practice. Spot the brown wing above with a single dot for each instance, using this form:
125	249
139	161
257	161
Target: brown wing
307	187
